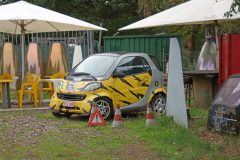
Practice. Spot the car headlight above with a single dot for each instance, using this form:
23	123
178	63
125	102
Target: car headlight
92	86
60	84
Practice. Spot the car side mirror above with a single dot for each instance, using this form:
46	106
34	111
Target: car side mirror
118	74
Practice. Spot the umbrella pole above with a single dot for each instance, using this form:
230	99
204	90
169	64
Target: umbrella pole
216	34
217	44
22	50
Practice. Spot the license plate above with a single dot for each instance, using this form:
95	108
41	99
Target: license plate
68	104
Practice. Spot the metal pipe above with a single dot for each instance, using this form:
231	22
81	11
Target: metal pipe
216	34
100	39
12	38
88	43
23	36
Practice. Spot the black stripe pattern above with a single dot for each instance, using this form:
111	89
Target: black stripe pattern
134	94
126	82
103	87
115	90
136	78
126	102
144	85
140	95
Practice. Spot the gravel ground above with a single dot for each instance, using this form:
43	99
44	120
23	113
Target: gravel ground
23	129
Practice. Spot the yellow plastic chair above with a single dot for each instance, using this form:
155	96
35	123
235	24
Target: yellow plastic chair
31	87
0	89
4	76
50	88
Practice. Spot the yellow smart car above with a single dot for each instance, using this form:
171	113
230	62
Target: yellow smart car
130	80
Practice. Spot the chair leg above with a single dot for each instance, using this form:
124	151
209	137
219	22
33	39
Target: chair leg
20	99
35	96
40	96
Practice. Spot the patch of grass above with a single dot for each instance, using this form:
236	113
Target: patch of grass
73	139
52	146
46	116
175	142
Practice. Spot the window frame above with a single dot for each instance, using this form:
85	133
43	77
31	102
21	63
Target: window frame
132	66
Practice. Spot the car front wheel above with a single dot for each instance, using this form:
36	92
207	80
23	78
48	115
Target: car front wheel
105	107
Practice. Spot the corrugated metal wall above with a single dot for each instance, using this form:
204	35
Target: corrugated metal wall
229	56
157	45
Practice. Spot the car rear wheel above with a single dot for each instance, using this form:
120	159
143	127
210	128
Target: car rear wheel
105	107
159	104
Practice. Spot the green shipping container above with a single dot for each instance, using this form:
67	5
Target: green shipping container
157	45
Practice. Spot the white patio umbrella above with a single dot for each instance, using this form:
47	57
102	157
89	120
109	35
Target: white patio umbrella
23	17
191	12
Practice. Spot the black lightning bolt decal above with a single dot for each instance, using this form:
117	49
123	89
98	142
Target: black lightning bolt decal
84	110
103	87
126	82
140	95
54	105
134	94
144	85
117	91
136	78
126	102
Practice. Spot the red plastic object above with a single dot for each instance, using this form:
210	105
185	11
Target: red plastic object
96	119
229	56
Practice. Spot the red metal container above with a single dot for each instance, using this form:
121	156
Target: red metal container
229	56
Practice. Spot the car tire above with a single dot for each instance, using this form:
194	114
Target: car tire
67	115
59	115
105	107
158	104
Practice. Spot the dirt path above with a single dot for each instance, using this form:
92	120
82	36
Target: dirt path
137	151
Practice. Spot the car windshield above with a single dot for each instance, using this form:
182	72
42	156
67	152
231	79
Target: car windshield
96	65
230	93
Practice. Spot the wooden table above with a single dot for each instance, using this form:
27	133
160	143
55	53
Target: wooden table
6	92
204	87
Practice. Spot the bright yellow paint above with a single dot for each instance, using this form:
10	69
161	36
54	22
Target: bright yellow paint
123	92
161	90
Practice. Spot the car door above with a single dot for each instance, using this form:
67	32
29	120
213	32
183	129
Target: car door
133	82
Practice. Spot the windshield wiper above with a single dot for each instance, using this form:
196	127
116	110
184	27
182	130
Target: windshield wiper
78	73
83	73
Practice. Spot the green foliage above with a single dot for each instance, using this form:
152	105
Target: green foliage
149	7
235	8
2	2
